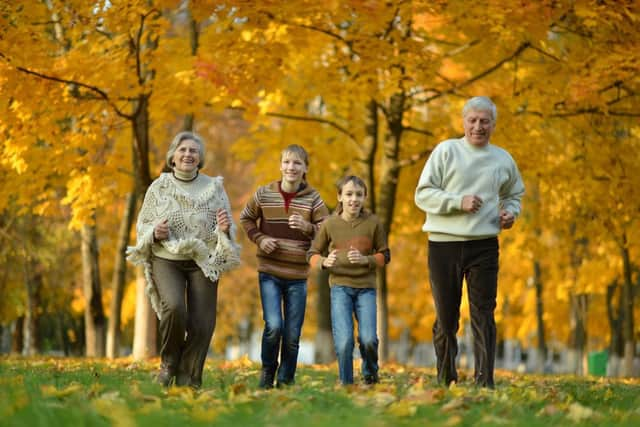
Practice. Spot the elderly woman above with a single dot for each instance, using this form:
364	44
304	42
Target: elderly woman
186	239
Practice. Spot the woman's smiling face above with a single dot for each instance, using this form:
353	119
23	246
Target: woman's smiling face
187	156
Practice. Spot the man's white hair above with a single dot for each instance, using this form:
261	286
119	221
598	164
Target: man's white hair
480	103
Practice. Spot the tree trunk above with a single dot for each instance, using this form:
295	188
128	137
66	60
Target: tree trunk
324	349
367	155
33	284
144	338
542	342
578	340
386	204
146	323
94	319
119	276
615	315
17	335
627	326
194	39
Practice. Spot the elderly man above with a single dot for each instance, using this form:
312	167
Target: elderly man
470	190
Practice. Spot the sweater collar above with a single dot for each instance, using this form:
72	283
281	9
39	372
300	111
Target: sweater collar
185	176
470	146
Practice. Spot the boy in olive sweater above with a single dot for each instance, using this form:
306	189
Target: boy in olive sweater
356	246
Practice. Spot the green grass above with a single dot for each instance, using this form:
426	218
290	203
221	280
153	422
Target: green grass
85	392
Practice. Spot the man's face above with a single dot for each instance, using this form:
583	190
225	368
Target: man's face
478	127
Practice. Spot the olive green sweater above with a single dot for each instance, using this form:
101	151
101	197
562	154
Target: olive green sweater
365	234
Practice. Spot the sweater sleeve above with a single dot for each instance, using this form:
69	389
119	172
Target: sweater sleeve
233	228
144	228
319	245
512	191
249	217
318	214
382	254
430	195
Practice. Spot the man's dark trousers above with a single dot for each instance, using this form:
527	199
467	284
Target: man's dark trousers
449	263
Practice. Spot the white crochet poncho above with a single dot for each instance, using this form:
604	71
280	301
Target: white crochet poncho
192	229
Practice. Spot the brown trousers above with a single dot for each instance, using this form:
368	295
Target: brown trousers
188	308
475	261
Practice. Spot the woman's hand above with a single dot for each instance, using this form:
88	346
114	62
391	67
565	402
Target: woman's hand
268	244
222	218
355	257
161	231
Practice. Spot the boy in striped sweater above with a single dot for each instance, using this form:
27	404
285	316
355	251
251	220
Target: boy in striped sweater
281	219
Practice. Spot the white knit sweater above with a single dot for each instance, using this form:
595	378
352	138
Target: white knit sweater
457	168
190	209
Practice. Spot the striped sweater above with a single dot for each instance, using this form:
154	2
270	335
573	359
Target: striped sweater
265	216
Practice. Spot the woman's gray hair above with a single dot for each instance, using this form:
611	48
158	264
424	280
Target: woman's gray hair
176	143
480	103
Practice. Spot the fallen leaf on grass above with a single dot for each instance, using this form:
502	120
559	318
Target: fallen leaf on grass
426	397
181	392
492	420
454	405
204	414
94	390
549	410
114	408
237	388
383	398
402	408
578	412
209	396
454	420
51	390
151	407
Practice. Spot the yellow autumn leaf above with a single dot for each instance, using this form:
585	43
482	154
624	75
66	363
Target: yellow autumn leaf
111	406
48	390
402	408
578	412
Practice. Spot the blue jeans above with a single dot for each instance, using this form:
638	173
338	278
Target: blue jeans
277	294
345	301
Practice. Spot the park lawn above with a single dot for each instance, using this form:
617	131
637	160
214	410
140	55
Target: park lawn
92	392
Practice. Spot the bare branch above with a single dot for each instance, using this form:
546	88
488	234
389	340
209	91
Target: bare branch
462	48
314	119
544	53
101	94
416	130
582	111
595	111
308	27
524	46
413	159
389	28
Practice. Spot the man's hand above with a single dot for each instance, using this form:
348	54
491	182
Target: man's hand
471	203
506	219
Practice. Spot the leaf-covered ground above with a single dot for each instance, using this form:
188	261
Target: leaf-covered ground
77	392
